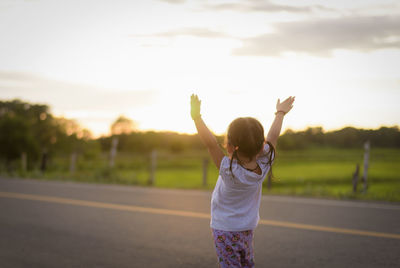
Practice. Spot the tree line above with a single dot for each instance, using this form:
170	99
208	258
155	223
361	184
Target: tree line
348	137
31	131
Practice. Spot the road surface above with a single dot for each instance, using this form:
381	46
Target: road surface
66	224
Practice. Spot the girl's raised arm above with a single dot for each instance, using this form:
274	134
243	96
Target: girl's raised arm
281	109
205	134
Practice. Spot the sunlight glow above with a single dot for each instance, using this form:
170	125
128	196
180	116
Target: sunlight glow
102	60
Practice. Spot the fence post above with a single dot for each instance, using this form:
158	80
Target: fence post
72	162
205	170
367	148
113	151
355	178
153	166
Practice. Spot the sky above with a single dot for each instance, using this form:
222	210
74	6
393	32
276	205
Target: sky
93	61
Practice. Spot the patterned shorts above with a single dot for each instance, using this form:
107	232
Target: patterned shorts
234	249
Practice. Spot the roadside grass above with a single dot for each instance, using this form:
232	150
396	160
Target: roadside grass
328	172
316	172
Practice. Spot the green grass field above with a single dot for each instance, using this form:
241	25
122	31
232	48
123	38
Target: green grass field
328	173
318	172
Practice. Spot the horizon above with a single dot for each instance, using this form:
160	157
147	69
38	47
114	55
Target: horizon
144	59
136	129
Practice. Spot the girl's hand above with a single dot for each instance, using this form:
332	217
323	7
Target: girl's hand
285	106
195	106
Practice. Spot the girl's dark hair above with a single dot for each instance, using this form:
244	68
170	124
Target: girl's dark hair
247	135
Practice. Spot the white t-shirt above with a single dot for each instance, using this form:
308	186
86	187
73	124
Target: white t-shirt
235	201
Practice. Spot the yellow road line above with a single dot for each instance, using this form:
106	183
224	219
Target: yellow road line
328	229
190	214
77	202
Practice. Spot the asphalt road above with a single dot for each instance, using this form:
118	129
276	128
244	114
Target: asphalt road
65	224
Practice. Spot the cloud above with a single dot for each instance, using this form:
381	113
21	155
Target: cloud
195	32
263	6
93	107
319	37
68	96
322	36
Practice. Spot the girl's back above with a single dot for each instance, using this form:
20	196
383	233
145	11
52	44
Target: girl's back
236	197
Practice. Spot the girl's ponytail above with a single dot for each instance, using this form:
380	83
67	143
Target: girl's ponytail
271	157
233	156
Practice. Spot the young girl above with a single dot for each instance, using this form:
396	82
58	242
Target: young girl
236	197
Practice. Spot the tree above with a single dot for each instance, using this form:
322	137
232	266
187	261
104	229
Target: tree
15	139
33	130
122	125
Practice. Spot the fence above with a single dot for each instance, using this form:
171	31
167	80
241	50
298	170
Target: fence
367	147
